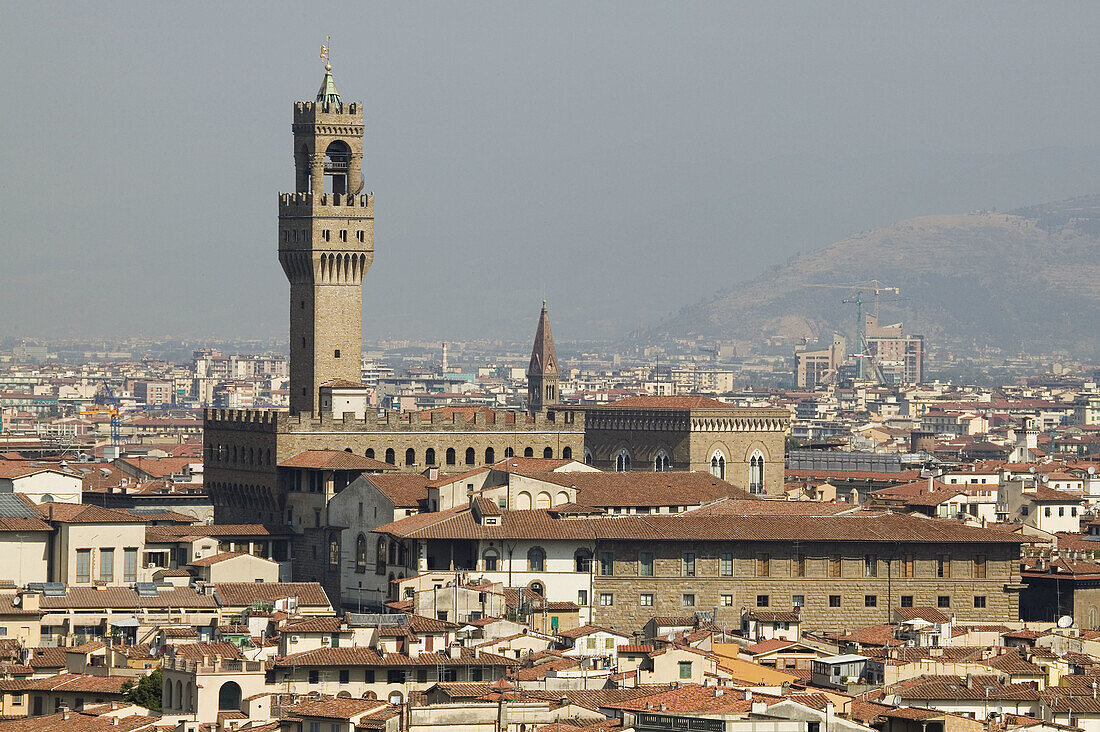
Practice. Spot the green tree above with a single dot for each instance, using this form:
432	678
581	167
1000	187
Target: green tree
146	692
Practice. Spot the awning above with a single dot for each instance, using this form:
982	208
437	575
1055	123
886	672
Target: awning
126	623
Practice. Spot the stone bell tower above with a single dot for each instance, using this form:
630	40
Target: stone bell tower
326	245
542	371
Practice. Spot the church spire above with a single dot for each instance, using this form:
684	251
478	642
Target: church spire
542	372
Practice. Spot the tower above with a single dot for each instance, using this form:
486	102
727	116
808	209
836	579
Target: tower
542	372
326	245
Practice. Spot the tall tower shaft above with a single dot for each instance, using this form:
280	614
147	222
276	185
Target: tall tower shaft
326	245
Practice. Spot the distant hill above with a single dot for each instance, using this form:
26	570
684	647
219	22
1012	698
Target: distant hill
1026	279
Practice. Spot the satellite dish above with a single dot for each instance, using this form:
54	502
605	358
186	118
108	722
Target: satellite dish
1065	622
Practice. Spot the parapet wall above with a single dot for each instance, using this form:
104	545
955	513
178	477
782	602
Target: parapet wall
309	204
266	420
312	113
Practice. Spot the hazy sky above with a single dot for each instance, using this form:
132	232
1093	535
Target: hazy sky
620	159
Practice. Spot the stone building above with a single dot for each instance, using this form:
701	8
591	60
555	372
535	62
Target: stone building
326	246
743	445
841	571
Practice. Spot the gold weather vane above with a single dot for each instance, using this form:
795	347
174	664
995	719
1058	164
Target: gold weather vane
324	53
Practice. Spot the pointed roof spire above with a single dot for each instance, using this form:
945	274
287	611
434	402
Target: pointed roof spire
544	360
327	96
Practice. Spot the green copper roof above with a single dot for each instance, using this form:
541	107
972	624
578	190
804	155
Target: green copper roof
327	94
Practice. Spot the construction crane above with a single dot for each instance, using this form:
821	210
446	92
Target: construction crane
112	411
861	325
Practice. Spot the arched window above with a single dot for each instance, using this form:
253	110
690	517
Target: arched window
370	453
395	698
622	461
251	456
491	558
587	456
410	456
661	462
190	697
450	456
567	453
542	500
536	559
548	452
756	472
390	457
582	560
361	554
167	695
179	695
718	465
471	456
229	697
523	501
429	456
528	452
490	456
509	452
380	560
334	552
392	591
562	497
537	588
337	164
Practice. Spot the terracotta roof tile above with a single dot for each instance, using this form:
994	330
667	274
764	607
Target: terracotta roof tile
235	594
334	460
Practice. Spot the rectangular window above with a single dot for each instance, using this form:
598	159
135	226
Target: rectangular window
395	676
606	599
943	601
314	676
591	643
17	699
870	565
798	568
979	601
129	564
763	565
608	643
1046	511
870	601
422	676
907	601
688	564
907	565
582	597
646	599
368	676
834	566
834	600
798	601
83	565
607	564
689	600
979	566
645	564
943	565
727	601
685	669
345	675
726	564
761	600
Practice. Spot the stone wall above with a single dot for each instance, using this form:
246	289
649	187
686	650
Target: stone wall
669	585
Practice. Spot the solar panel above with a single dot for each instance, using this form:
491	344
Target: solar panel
376	619
11	506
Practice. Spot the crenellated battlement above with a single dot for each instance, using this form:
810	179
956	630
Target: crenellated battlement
309	204
259	420
313	113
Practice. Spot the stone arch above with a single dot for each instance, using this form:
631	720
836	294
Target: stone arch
179	695
391	457
562	497
410	456
190	696
567	453
536	559
450	456
509	452
588	457
229	697
622	460
490	456
395	698
471	456
662	463
523	501
361	553
548	452
370	453
167	693
756	472
718	463
429	456
542	500
528	452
